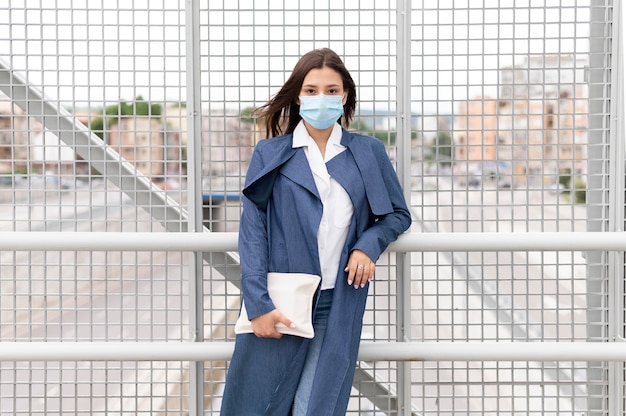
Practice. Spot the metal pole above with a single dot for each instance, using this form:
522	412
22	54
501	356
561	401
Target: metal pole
601	282
194	198
616	157
403	143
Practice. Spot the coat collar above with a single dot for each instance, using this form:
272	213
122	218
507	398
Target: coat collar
259	187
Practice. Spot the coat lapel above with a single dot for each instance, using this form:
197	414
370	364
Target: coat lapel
297	169
375	188
283	159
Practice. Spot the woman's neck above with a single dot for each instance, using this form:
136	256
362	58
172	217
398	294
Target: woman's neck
320	137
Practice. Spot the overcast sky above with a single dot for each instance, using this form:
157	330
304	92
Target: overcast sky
76	52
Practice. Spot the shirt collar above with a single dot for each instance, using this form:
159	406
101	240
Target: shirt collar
301	137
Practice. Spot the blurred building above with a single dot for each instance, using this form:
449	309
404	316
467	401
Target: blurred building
14	131
537	126
543	117
140	140
475	135
228	142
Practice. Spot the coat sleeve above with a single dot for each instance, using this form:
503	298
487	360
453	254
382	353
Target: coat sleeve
253	248
386	228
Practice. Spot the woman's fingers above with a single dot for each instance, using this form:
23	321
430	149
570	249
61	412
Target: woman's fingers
360	269
264	326
364	273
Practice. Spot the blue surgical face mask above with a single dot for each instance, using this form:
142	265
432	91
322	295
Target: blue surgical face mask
321	111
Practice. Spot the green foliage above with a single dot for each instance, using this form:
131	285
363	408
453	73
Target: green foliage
361	126
97	126
246	115
387	137
112	113
441	148
564	180
577	191
580	191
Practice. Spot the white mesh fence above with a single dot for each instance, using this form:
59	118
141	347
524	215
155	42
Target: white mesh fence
135	117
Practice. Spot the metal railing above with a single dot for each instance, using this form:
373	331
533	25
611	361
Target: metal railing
369	351
227	241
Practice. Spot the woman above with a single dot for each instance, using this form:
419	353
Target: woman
318	199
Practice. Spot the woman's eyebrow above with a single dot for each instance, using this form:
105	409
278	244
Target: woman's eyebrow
316	86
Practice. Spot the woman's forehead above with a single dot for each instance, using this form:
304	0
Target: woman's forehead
322	76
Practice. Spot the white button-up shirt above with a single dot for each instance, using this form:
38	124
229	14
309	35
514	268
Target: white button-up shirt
338	209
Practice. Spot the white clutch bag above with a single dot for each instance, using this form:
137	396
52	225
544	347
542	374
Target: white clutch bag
292	294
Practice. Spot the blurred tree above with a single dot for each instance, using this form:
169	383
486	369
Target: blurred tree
113	112
442	148
246	115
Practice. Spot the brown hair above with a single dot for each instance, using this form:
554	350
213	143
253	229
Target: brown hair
281	114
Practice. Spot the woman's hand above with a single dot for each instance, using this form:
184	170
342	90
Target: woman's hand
360	269
264	326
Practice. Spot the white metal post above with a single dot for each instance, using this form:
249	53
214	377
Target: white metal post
403	143
194	201
602	271
616	210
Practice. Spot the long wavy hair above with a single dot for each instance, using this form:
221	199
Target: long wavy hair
281	114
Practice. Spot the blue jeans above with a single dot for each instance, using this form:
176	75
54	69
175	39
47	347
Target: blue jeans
320	318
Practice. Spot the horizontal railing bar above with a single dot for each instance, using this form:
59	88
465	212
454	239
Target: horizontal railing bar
227	241
513	241
119	241
369	351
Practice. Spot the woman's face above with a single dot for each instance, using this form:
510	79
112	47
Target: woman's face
325	81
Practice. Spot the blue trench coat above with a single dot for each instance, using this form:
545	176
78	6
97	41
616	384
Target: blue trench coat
278	232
